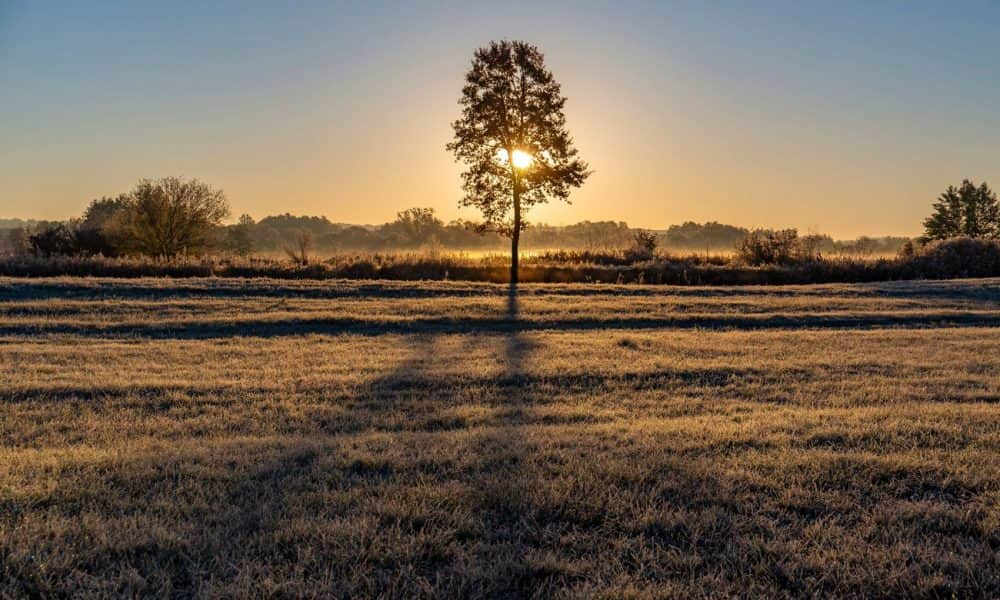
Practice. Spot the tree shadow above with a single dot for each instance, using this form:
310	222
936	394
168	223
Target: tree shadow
506	477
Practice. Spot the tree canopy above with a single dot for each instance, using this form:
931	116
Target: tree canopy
968	210
513	139
172	216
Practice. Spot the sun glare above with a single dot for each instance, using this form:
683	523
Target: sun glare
520	158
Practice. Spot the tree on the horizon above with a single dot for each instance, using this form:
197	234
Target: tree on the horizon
239	237
100	230
172	216
968	210
513	139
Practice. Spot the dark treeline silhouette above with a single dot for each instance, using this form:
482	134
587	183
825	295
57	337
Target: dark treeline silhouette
415	229
173	217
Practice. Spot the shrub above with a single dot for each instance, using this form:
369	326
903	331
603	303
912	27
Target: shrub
299	254
54	240
960	257
643	247
768	247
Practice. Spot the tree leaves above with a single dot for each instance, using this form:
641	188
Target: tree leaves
510	101
968	210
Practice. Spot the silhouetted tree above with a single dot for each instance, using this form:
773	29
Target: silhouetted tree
171	216
239	237
101	230
56	239
413	226
968	210
512	136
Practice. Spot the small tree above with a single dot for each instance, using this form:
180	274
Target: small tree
239	237
968	210
768	247
643	246
299	253
513	139
414	226
172	216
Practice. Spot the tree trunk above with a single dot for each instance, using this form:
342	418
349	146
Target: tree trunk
515	237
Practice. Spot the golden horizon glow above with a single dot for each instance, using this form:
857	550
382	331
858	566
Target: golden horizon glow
804	125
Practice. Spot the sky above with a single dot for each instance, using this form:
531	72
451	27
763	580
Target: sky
845	118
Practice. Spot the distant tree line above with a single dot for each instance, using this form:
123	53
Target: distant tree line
160	218
171	216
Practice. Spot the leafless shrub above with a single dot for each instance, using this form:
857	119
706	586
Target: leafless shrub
300	252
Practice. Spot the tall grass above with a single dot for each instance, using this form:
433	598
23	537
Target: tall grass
956	258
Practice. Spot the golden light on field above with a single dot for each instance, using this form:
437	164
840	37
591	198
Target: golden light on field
519	158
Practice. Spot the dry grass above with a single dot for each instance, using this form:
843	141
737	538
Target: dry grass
251	438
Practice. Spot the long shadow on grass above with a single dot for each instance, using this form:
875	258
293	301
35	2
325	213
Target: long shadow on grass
154	289
505	478
445	325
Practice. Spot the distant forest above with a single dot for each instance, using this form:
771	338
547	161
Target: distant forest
420	228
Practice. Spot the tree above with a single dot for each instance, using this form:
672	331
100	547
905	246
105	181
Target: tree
512	137
239	237
172	216
100	231
56	239
968	210
414	226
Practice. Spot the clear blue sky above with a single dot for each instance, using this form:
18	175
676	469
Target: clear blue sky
845	117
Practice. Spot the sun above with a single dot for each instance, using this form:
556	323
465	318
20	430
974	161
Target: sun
519	158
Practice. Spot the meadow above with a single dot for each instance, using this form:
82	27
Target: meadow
271	438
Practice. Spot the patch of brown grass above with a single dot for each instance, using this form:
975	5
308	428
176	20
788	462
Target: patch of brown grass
254	437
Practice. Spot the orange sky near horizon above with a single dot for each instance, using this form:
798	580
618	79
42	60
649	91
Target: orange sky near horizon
843	127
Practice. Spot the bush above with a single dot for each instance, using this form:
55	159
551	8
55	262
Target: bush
769	247
54	240
960	257
643	247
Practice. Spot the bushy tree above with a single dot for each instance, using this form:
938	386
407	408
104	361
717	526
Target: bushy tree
413	226
968	210
513	139
102	228
55	239
172	216
698	236
769	247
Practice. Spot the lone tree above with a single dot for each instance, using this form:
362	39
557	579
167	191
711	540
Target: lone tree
172	216
512	137
968	210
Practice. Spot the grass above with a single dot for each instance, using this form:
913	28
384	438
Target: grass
248	438
956	258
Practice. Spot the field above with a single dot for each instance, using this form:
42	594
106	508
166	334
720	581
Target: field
254	438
